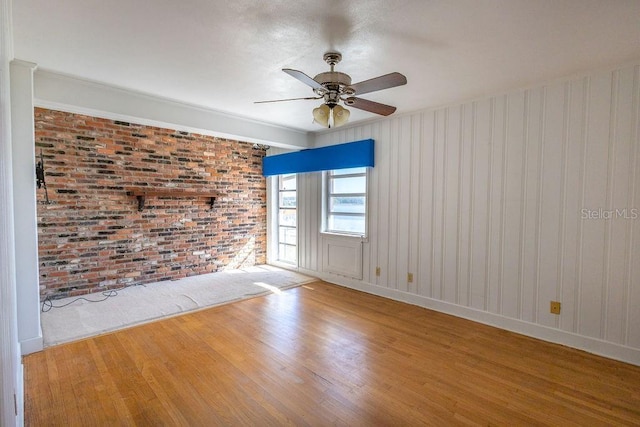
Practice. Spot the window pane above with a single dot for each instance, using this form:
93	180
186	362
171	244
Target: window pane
347	204
287	253
286	220
288	199
288	182
288	235
346	201
357	184
348	171
348	223
287	217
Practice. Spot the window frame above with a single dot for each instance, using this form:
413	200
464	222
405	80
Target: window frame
279	191
327	177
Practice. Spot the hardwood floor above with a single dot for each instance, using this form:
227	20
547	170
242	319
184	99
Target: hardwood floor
322	355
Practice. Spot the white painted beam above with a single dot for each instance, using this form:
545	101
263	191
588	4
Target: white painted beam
24	206
11	373
67	93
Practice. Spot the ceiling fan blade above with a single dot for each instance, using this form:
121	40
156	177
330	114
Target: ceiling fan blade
303	78
378	83
290	99
371	106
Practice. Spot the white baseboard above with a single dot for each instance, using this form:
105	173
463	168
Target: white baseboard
20	396
580	342
31	345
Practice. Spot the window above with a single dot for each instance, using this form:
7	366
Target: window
345	201
287	219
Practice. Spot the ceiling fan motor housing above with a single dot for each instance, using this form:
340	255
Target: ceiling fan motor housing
333	81
331	98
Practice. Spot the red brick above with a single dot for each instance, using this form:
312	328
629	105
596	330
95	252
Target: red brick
99	226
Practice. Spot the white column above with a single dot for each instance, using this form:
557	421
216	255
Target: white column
24	206
11	378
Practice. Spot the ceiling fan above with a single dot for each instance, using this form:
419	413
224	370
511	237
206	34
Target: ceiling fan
334	86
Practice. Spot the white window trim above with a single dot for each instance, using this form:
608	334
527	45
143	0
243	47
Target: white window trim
277	206
325	207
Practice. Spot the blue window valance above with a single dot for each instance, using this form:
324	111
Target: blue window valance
342	156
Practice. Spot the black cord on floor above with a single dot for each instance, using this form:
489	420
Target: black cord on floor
48	304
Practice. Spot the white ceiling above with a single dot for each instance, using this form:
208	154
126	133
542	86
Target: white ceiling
224	55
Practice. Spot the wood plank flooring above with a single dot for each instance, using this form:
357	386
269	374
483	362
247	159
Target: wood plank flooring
324	355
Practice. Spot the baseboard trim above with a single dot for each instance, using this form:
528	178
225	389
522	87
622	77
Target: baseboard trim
20	396
32	345
569	339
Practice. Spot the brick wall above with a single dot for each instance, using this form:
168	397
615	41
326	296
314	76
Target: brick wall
92	237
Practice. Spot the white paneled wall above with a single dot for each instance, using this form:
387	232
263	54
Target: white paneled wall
487	204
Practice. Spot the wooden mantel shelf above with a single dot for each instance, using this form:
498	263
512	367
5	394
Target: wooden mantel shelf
142	193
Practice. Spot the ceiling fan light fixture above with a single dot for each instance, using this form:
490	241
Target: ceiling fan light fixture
321	115
330	115
340	115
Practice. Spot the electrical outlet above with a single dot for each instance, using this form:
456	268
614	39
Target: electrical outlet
377	271
410	277
555	307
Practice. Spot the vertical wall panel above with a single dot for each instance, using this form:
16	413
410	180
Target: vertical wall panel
514	176
611	148
305	220
632	285
550	201
299	212
427	200
530	209
315	203
307	182
403	193
595	200
415	182
365	133
437	218
383	154
496	199
573	184
316	215
372	206
303	251
464	222
392	203
620	180
480	207
562	219
450	209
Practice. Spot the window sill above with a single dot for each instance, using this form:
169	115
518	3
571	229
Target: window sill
358	237
284	264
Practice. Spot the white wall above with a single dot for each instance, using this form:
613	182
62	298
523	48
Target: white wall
11	376
483	203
